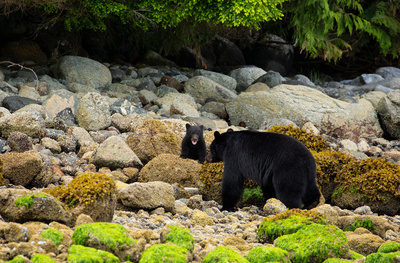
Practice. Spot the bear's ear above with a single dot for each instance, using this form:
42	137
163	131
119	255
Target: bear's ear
229	130
202	127
187	126
217	135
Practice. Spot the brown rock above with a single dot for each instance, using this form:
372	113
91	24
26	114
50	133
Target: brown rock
24	50
44	207
364	242
21	168
171	82
171	169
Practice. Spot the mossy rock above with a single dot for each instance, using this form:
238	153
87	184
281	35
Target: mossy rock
40	258
329	165
315	243
109	235
371	182
224	254
18	259
93	194
82	254
389	247
210	176
178	236
166	253
392	257
171	169
268	254
153	138
287	222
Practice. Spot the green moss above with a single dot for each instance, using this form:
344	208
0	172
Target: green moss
287	222
249	192
311	141
165	253
314	243
389	247
355	255
336	260
55	235
224	255
267	254
84	189
17	259
28	200
81	254
39	258
180	237
365	223
112	235
382	257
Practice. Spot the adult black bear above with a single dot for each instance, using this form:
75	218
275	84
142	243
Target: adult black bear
193	144
282	165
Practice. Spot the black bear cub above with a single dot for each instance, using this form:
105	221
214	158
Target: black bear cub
193	144
282	165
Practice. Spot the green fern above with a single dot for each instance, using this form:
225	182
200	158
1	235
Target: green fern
330	28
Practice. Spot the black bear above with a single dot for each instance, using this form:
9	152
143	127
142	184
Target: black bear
193	144
282	165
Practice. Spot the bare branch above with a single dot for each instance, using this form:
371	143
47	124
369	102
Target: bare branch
22	67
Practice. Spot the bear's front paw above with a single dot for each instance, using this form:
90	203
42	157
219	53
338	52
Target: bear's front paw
229	209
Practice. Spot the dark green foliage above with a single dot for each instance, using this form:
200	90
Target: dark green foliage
329	29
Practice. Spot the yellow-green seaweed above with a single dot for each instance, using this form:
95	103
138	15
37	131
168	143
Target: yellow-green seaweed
224	254
55	235
82	254
180	237
314	243
165	253
267	254
287	222
110	234
41	258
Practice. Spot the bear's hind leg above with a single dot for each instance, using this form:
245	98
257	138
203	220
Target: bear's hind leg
232	189
290	194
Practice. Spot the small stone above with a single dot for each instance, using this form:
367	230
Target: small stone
273	207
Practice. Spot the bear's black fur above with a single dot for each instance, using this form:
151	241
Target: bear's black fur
193	144
282	165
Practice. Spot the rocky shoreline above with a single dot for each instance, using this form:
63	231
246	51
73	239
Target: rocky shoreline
83	116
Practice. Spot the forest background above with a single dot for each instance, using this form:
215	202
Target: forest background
347	35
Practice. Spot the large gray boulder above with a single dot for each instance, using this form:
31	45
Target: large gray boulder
301	104
148	196
114	153
84	71
224	80
388	109
202	88
245	76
